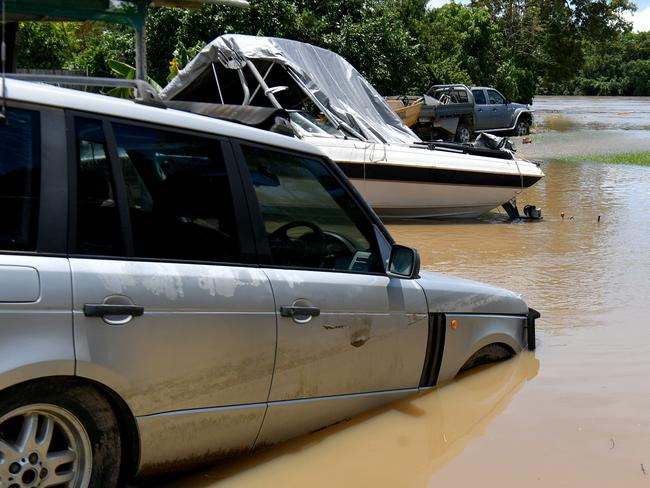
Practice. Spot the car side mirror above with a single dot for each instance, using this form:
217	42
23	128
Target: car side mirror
508	101
404	263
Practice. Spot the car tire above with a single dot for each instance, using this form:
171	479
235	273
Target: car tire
463	133
60	432
522	128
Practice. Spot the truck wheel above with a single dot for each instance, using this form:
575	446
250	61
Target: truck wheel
522	128
57	434
463	133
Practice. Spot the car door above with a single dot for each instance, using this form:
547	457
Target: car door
166	311
482	110
35	292
344	326
500	114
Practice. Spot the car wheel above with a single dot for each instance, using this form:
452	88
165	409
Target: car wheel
463	133
57	434
522	128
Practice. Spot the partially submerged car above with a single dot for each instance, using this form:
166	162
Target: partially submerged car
177	289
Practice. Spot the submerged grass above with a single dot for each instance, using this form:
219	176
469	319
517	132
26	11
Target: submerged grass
637	158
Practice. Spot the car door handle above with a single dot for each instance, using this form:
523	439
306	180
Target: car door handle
104	310
286	311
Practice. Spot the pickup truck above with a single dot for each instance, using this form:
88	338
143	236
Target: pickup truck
459	112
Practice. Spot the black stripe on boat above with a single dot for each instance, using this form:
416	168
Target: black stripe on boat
414	174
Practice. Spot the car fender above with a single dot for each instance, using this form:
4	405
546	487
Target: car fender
517	115
468	333
12	373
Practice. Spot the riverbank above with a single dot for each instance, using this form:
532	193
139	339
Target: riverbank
584	145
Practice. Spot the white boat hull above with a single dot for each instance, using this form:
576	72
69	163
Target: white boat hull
418	200
407	182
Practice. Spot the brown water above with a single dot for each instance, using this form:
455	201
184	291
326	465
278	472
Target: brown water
576	412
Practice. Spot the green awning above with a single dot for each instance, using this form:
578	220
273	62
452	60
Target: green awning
130	12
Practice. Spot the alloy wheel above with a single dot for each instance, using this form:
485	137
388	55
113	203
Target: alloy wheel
43	446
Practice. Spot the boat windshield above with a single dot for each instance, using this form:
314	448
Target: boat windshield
307	124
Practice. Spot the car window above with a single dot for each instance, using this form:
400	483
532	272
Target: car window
479	97
179	195
460	96
496	98
310	220
98	223
19	179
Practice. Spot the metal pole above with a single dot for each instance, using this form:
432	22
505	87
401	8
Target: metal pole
262	82
141	53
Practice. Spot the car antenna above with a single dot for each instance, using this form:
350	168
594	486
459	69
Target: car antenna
3	56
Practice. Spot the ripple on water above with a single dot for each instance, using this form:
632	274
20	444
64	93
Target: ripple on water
559	265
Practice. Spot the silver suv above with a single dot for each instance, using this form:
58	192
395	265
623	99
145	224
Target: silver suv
176	289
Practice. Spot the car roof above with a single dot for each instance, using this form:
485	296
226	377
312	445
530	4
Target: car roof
65	98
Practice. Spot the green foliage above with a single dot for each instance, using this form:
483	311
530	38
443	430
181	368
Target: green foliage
401	46
128	72
620	67
638	158
100	44
122	70
550	39
182	56
45	45
463	44
379	49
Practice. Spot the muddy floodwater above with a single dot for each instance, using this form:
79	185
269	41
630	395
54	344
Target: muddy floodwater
576	412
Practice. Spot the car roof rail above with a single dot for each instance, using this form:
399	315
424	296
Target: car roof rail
145	93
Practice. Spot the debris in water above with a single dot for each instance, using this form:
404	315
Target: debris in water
613	444
571	218
643	469
526	140
599	219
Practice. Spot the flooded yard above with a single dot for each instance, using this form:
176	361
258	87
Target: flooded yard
576	412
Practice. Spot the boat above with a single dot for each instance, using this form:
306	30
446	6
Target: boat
331	105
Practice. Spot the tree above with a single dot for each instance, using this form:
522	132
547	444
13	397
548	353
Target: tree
549	36
46	45
464	44
401	46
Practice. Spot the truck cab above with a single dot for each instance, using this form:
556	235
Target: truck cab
493	111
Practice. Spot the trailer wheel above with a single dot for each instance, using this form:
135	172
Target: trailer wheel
463	133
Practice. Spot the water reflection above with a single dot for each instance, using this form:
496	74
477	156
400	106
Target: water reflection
420	435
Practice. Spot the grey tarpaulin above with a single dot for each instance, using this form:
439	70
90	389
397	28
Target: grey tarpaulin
324	75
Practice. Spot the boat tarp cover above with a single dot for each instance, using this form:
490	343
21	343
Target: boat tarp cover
130	12
324	75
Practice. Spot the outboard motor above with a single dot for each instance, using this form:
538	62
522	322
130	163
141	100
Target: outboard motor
532	212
